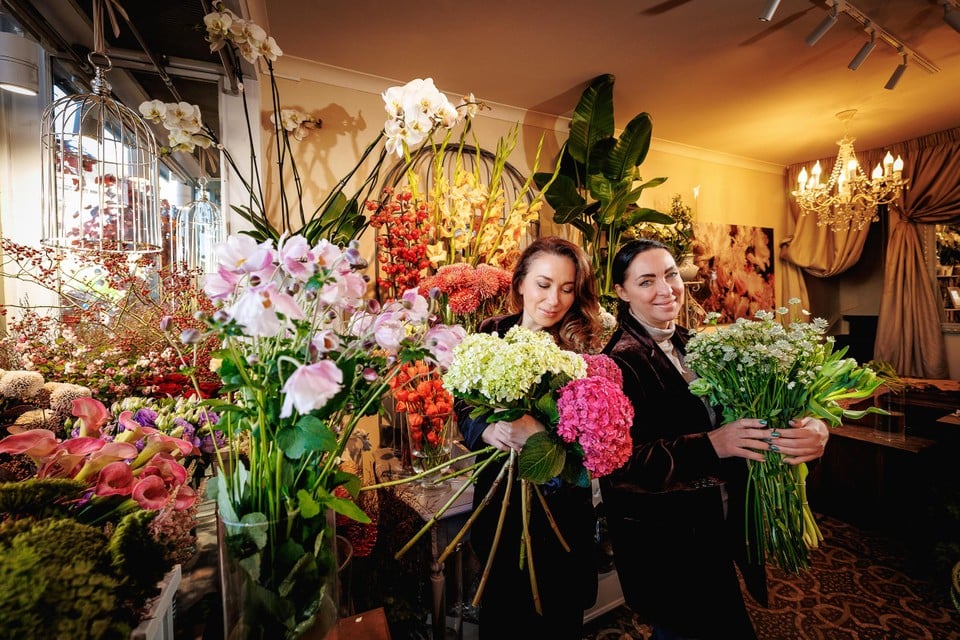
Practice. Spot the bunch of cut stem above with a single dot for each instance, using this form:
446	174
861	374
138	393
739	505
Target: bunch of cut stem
780	525
527	489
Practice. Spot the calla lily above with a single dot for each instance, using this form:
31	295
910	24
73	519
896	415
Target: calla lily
186	497
150	493
165	466
115	479
92	415
38	444
109	452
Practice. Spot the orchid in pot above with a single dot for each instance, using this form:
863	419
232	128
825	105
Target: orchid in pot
304	357
416	113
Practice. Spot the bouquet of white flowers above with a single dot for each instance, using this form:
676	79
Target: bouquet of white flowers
763	369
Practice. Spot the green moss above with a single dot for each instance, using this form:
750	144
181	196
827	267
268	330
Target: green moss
136	555
46	497
59	567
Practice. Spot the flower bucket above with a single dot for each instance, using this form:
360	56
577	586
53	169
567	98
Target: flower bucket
279	579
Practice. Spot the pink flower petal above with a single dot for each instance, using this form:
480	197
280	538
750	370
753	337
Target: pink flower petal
115	479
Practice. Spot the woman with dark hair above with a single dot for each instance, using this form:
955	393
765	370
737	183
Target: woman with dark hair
553	290
675	511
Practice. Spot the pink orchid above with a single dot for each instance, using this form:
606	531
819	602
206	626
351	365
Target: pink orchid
310	387
92	415
151	493
115	479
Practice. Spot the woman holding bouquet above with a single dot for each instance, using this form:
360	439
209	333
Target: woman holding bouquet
676	509
552	290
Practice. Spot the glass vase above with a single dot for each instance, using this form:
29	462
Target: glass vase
430	439
279	579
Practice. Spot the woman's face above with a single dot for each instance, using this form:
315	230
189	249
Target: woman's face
548	291
653	288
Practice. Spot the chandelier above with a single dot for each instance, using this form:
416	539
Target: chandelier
849	199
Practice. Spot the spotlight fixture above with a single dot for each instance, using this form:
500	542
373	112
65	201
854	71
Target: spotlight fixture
823	27
865	51
771	9
897	73
18	64
951	15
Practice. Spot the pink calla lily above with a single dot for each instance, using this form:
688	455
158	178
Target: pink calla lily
109	452
115	479
151	493
165	466
82	445
132	430
186	497
92	415
38	444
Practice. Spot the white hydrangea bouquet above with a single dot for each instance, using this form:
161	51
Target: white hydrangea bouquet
763	369
578	397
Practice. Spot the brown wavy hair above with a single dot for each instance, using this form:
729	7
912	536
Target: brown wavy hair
580	329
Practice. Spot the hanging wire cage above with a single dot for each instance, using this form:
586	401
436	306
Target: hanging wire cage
100	175
198	230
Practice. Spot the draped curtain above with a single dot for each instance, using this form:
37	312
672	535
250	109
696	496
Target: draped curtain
909	334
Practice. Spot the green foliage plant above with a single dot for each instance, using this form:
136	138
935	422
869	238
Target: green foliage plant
595	189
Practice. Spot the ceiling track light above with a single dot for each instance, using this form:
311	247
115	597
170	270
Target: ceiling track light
897	73
865	51
951	15
771	9
823	27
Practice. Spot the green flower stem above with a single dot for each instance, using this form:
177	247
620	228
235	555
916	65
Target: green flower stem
510	466
528	544
439	514
550	519
427	472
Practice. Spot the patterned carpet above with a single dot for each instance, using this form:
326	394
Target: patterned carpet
860	587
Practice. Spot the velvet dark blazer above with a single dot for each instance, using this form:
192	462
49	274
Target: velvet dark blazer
674	549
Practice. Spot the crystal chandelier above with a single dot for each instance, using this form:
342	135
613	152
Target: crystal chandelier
849	199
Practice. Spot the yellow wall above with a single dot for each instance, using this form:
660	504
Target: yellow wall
732	190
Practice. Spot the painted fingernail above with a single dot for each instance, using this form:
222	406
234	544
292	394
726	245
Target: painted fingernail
768	440
774	434
774	448
763	423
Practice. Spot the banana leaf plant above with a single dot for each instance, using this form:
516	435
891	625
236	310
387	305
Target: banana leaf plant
596	189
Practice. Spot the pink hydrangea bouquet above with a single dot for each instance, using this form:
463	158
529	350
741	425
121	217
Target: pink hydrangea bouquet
578	397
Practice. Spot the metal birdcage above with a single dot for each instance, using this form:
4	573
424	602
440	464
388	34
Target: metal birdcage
100	175
198	230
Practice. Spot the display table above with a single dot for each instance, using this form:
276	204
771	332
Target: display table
425	502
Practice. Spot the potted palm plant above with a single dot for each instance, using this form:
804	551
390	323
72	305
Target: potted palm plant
598	184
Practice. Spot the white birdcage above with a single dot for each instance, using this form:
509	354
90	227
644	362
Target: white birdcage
100	175
198	230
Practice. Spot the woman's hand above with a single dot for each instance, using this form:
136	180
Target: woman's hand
744	438
805	442
511	435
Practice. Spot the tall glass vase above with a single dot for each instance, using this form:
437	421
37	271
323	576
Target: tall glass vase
279	579
430	440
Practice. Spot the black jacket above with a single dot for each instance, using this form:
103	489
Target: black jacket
567	581
673	547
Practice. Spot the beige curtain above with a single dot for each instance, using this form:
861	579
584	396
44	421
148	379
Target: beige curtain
909	335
